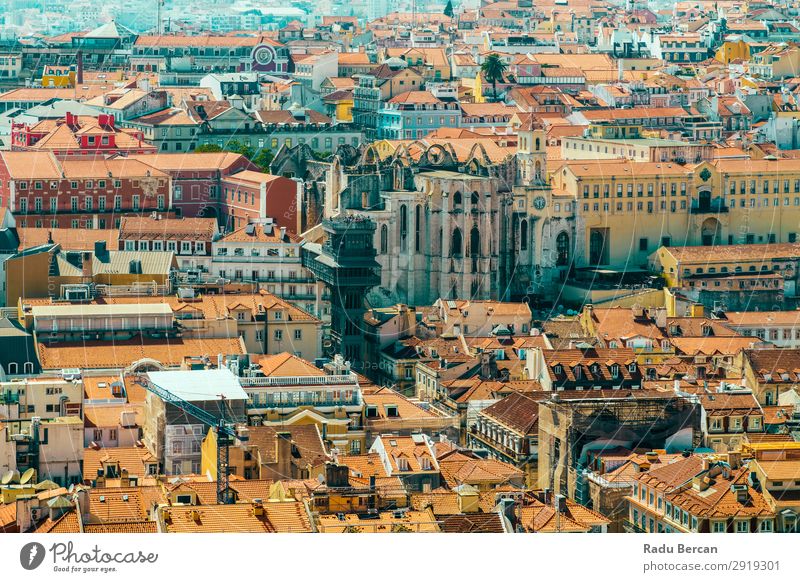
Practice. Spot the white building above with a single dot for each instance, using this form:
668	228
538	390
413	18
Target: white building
263	254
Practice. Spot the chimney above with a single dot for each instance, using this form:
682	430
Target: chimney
258	508
86	265
337	475
100	248
283	452
124	478
79	68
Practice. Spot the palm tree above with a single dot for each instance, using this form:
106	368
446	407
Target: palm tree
493	68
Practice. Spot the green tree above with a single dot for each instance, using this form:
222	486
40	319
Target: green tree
208	148
493	68
238	147
263	159
448	10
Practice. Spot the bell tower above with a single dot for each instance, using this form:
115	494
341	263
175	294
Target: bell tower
531	151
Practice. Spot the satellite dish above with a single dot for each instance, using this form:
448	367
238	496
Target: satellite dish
7	477
28	476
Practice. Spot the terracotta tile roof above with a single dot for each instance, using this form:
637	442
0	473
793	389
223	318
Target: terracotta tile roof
307	446
692	346
67	523
205	40
131	458
380	398
70	239
441	502
121	504
367	465
594	363
478	472
121	354
100	387
421	97
259	233
106	416
762	318
517	411
718	500
772	366
8	516
203	161
406	447
473	523
286	364
672	475
125	527
544	518
386	522
727	253
777	414
622	323
146	228
277	517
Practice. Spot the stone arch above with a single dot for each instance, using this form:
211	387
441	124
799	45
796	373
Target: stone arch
562	249
384	239
144	365
456	243
523	235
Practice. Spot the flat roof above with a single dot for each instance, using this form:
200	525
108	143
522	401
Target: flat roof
200	385
90	309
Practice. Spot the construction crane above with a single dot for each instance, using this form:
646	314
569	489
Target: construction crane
227	432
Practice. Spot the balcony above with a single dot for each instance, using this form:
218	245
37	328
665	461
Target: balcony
291	403
716	206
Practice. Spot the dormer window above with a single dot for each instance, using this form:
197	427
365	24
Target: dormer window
578	372
615	371
632	368
557	369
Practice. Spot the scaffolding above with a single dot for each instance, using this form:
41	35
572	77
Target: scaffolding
570	428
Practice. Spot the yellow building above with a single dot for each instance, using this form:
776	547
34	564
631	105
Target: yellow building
45	270
626	210
58	76
294	392
678	264
339	106
731	50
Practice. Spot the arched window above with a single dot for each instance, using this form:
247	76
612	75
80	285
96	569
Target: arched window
365	199
456	243
538	143
457	200
475	199
523	236
384	239
562	249
403	226
474	242
537	172
12	368
29	367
